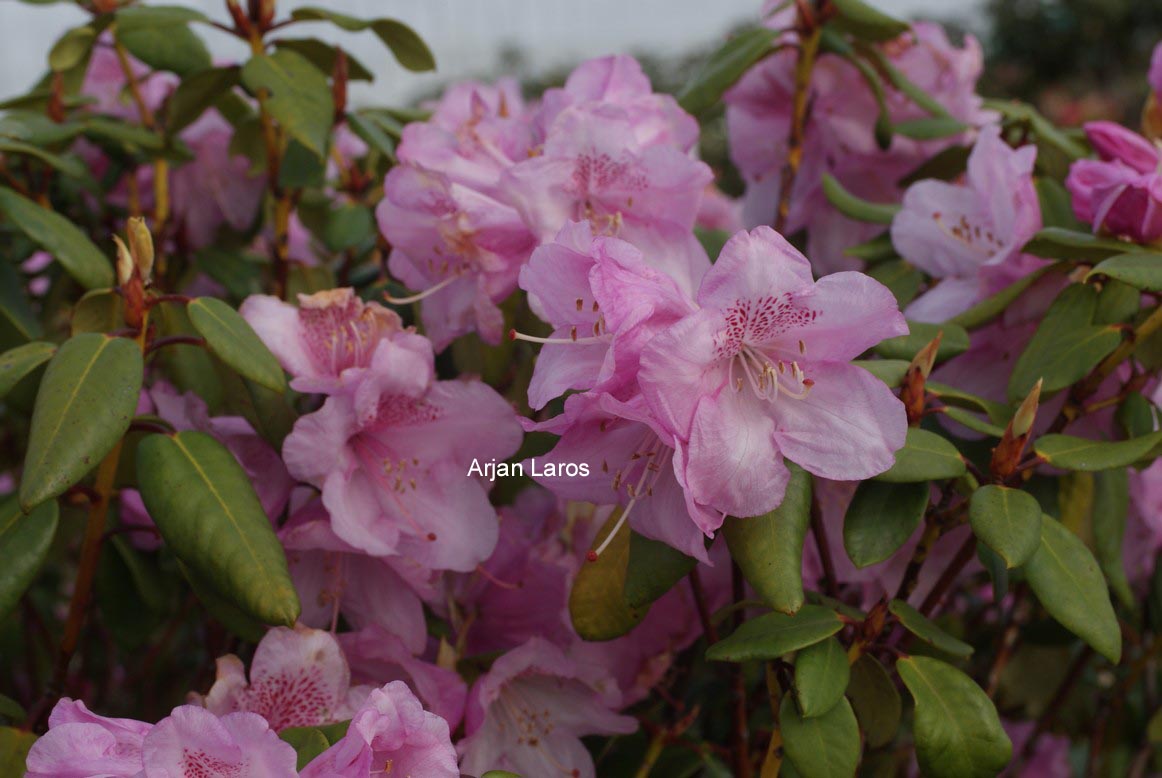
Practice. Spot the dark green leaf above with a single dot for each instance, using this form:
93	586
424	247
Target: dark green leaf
724	67
309	742
922	627
997	569
654	568
11	709
854	207
1058	243
824	746
408	48
769	548
950	395
86	401
349	226
127	138
881	518
22	361
1140	269
323	56
206	510
958	733
73	48
1056	205
1111	503
931	128
775	634
1068	582
16	315
24	543
372	134
991	307
160	37
597	602
1117	303
101	310
900	278
1008	521
866	22
954	341
234	342
821	675
59	237
297	95
925	456
1066	345
68	164
1072	453
14	747
222	609
890	371
301	168
876	701
878	249
198	92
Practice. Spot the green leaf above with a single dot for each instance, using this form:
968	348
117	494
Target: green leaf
222	609
198	92
931	128
372	134
408	47
1117	303
821	676
349	226
875	700
824	746
11	709
597	603
100	311
1056	204
769	548
950	395
70	165
20	362
297	95
772	635
890	371
997	569
16	315
1067	580
954	341
867	23
1073	453
958	733
160	37
1066	345
881	518
654	568
234	342
972	421
1058	243
1111	502
1140	269
14	747
309	742
855	207
1008	521
991	307
900	277
323	56
59	237
724	67
24	543
73	48
925	456
924	628
878	249
206	510
86	401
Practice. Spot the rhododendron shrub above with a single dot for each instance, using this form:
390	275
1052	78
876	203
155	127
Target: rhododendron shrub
499	435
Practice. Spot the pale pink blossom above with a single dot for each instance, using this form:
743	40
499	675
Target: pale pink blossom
298	678
81	744
192	741
391	732
1121	192
969	235
527	714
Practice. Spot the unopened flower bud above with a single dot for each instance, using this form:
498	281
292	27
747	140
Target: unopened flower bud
141	246
925	358
1007	454
1023	418
125	263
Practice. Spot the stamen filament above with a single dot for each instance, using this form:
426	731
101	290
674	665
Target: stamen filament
415	298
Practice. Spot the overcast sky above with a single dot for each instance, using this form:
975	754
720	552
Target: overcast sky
465	35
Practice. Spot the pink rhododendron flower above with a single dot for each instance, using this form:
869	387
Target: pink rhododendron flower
192	741
1143	539
762	371
105	81
1121	192
839	136
529	712
461	247
390	734
333	577
618	80
80	744
328	340
391	455
604	299
970	235
298	678
378	656
719	212
1050	755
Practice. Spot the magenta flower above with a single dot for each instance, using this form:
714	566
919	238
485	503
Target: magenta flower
298	678
192	741
378	656
618	80
593	167
1119	193
604	299
392	455
969	235
761	372
390	734
80	744
333	577
1143	540
461	247
529	712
